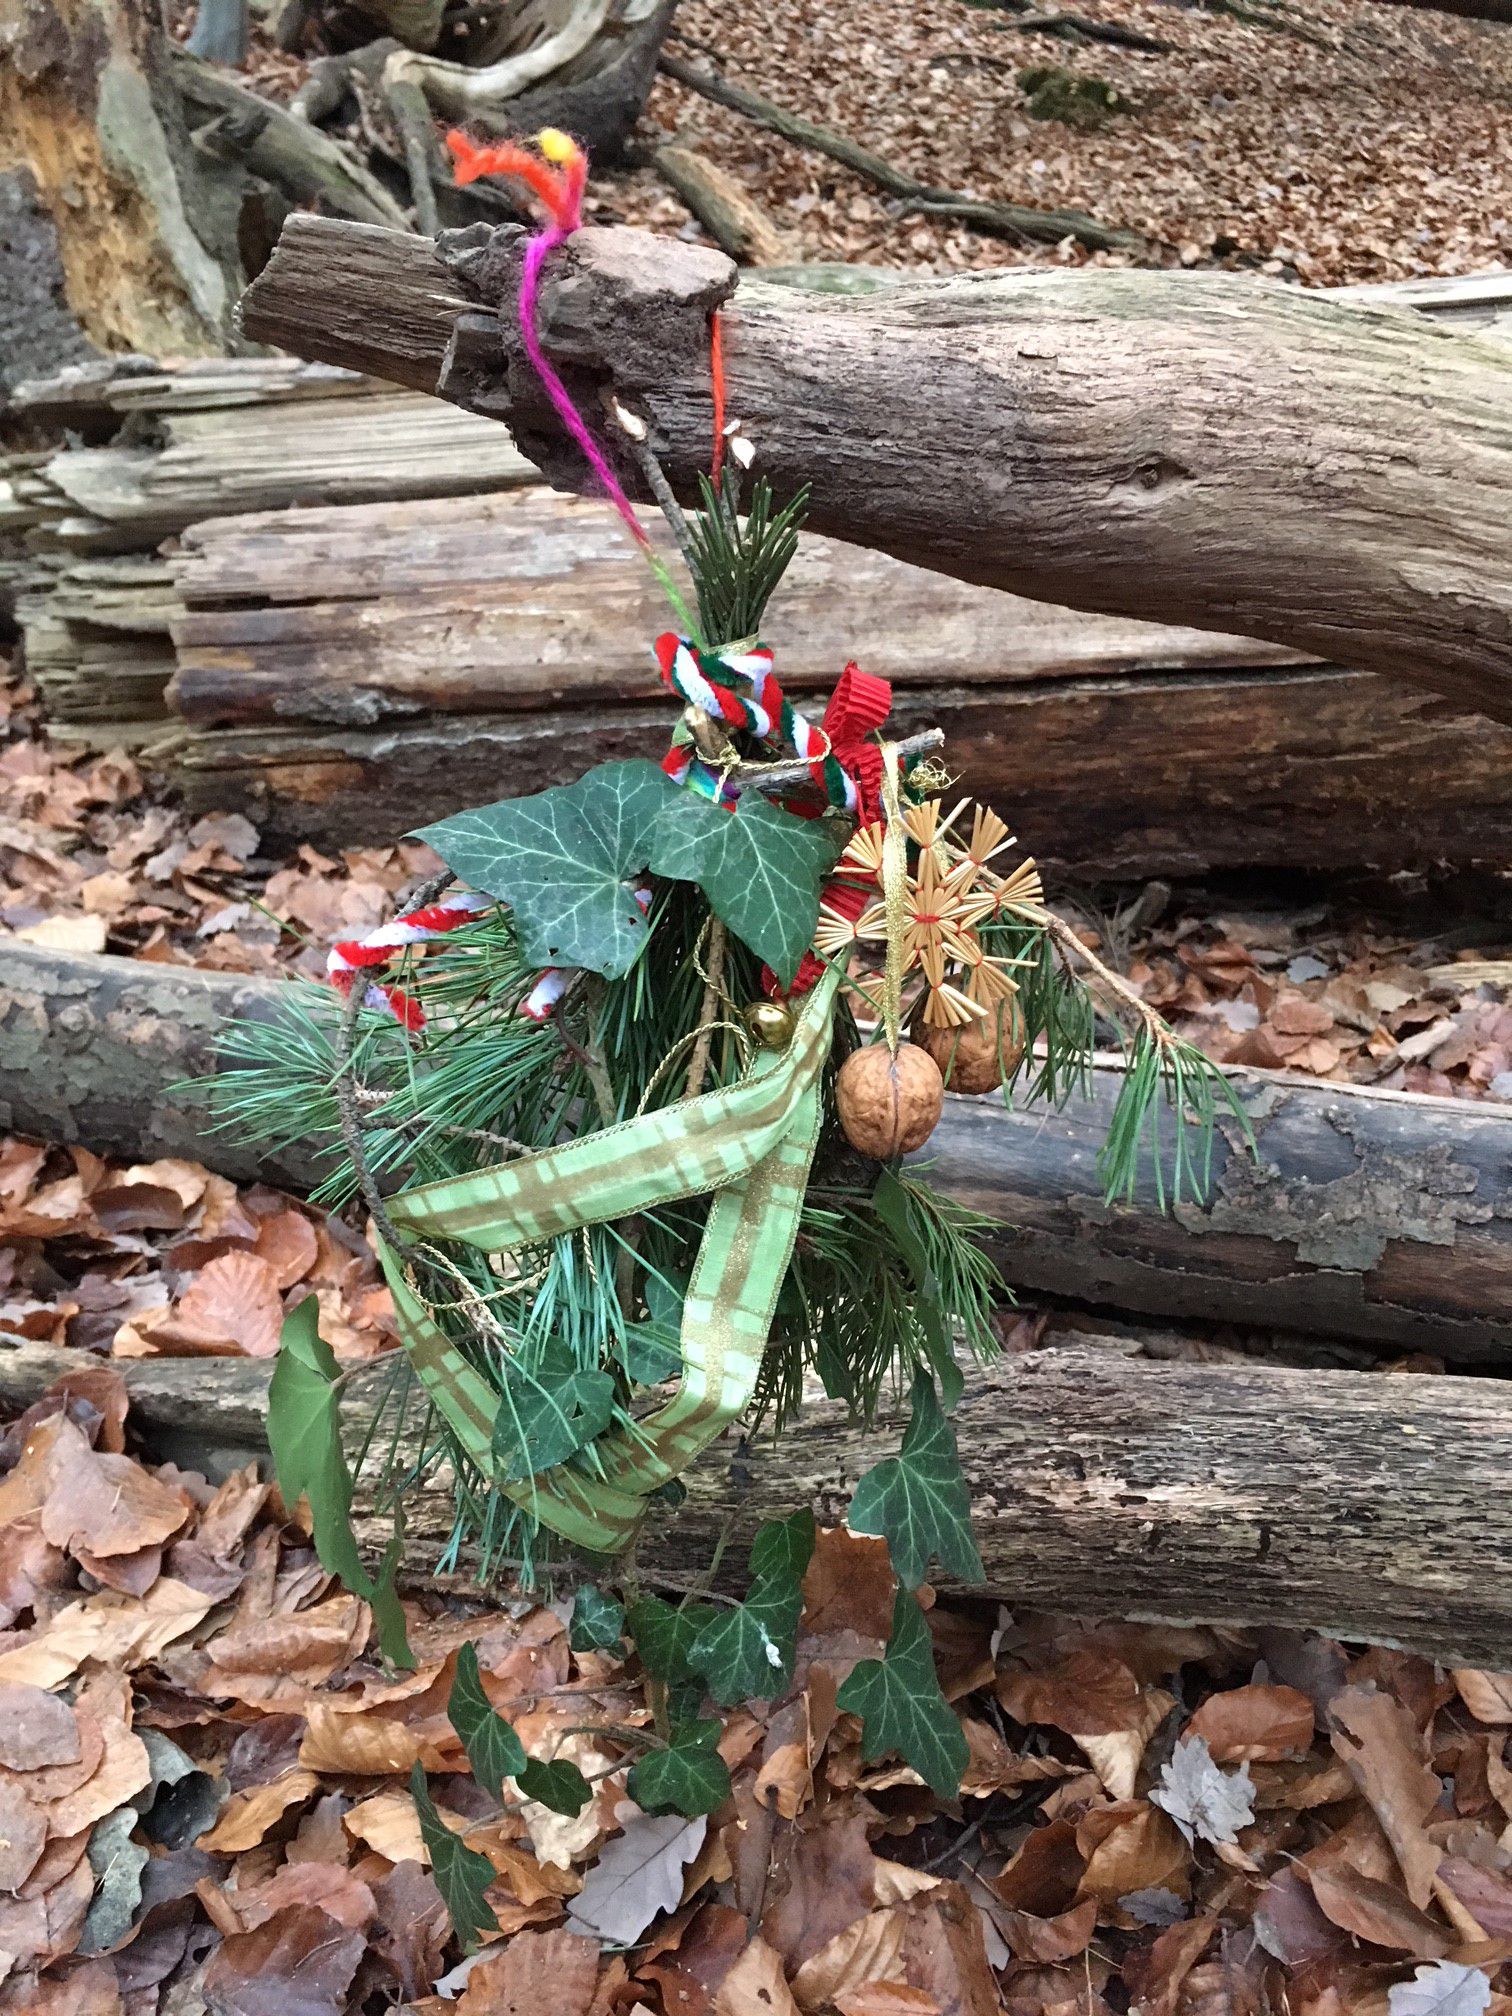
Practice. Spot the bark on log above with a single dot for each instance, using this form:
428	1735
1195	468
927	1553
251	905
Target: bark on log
1106	777
1119	748
1373	1216
1209	450
1358	1504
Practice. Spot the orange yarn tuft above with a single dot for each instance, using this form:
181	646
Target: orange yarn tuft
559	189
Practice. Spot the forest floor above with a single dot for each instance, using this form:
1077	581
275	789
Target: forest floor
1333	141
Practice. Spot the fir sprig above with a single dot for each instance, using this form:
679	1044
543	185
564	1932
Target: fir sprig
737	563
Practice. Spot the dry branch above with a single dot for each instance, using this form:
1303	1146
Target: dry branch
1146	444
1353	1503
737	225
1372	1216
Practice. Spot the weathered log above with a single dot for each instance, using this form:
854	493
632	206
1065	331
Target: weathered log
1372	1216
1104	777
1359	1504
1202	448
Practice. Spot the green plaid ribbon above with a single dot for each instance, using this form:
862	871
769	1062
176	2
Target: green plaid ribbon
750	1144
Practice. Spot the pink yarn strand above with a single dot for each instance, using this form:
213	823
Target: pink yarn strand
536	255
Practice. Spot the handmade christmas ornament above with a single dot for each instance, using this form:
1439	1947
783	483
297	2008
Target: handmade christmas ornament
601	1083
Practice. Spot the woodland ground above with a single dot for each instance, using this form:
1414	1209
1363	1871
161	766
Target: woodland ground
203	1770
1339	140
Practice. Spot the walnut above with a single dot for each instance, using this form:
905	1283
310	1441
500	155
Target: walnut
981	1056
889	1105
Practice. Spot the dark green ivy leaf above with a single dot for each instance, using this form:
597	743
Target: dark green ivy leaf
746	1652
664	1635
901	1707
304	1435
759	866
462	1874
565	861
917	1500
784	1546
597	1620
559	1785
688	1777
493	1749
550	1412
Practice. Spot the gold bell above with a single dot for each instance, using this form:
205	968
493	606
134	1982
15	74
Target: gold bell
771	1023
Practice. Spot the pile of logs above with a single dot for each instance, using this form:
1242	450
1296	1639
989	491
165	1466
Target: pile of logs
1246	1491
346	609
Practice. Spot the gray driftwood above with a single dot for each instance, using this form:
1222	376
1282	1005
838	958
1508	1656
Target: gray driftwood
1372	1216
1360	1504
1208	449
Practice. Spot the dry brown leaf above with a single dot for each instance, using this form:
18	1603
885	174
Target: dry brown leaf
109	1505
248	1815
533	1973
1488	1696
389	1824
113	1629
1249	1724
1087	1693
300	1963
1048	1940
1044	1874
1133	1846
365	1745
869	1949
231	1309
337	1892
1158	1974
23	1831
755	1986
1380	1746
887	1998
1376	1911
36	1729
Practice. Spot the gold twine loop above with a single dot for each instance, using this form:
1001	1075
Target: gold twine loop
894	895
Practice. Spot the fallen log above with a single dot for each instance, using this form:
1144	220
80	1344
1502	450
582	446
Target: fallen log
1358	1504
1206	449
1105	778
322	654
1371	1216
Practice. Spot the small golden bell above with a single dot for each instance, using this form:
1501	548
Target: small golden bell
771	1023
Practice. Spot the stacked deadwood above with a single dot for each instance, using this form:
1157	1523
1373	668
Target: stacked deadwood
1250	1490
346	610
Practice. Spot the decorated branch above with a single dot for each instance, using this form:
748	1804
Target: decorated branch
629	1092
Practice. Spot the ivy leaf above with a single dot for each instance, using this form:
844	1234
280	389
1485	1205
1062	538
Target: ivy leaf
462	1874
564	862
304	1435
549	1412
759	866
917	1500
651	1354
493	1749
597	1620
901	1707
559	1785
746	1653
664	1636
784	1546
688	1777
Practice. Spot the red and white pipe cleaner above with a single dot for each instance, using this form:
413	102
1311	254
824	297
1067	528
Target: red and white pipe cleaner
352	956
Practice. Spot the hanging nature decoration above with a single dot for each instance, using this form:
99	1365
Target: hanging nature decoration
625	1093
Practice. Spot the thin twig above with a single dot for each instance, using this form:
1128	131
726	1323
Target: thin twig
776	777
698	1064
